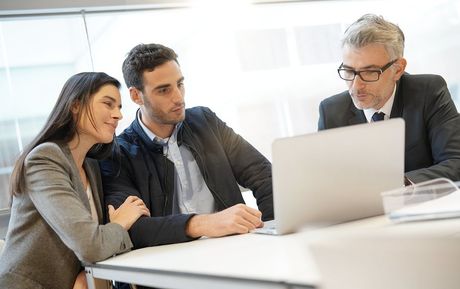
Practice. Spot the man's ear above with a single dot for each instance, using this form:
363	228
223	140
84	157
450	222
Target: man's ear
136	95
400	66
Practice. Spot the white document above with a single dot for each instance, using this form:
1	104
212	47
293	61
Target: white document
444	207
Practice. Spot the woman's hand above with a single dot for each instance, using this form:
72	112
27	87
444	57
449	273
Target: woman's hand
128	212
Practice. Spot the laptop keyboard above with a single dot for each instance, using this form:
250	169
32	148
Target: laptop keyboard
268	228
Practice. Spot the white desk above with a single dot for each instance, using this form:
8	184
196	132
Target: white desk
419	255
242	261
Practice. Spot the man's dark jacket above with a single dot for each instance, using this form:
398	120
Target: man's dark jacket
138	167
432	148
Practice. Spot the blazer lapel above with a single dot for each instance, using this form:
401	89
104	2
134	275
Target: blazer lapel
75	176
356	115
90	173
397	109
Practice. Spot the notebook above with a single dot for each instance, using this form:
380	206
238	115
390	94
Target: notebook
336	175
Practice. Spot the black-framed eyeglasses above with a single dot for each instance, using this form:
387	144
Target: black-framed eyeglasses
368	75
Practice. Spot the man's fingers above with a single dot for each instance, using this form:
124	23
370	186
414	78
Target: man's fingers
241	229
251	215
254	212
247	224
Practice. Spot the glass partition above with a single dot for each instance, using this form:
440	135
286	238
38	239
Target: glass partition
262	68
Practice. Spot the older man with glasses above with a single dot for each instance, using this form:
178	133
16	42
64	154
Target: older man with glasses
378	89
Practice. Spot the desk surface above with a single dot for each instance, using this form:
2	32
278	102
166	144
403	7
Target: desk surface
279	260
252	260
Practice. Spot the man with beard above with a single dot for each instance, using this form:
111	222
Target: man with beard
378	89
185	164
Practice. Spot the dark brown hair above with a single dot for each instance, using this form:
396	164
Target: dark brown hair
145	57
61	126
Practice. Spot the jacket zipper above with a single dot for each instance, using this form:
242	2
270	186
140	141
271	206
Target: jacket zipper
205	173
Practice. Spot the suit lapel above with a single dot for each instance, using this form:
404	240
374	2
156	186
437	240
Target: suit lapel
95	189
75	176
93	182
356	115
397	109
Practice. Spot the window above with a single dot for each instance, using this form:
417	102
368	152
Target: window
262	68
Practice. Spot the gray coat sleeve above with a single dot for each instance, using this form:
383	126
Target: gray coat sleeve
51	180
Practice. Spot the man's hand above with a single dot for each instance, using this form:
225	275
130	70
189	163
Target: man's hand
238	219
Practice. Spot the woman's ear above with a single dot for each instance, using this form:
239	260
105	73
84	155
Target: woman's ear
75	107
136	95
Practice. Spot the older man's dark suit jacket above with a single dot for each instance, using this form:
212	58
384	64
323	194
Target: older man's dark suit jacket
432	125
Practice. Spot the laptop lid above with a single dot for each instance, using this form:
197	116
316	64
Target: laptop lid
336	175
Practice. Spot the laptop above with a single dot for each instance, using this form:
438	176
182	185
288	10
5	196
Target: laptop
336	175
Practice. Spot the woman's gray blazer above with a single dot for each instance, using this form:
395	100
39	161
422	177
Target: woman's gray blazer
51	230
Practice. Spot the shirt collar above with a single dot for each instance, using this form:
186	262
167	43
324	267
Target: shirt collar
152	136
386	108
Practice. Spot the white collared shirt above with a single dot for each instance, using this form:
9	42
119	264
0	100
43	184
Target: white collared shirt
191	194
386	108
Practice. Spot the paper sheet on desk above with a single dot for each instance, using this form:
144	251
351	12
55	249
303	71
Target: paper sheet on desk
444	207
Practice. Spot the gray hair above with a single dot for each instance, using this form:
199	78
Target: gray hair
370	29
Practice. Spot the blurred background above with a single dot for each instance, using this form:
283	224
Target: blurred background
262	66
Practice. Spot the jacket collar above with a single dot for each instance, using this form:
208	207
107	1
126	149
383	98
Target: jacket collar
151	145
137	128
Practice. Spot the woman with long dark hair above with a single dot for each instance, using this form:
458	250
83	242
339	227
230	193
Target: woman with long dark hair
57	213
